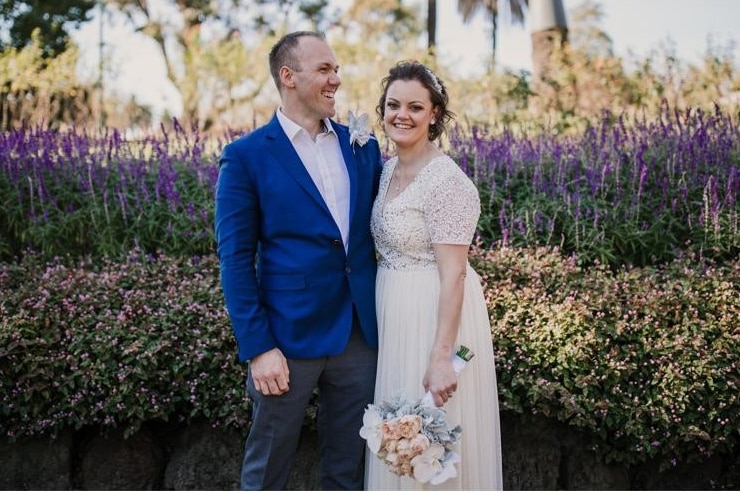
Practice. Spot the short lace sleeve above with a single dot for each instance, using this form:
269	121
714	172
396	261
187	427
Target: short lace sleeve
452	208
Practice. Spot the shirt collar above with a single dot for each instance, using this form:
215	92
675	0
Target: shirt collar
292	129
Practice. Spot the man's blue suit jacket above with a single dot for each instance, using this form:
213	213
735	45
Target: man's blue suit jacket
286	278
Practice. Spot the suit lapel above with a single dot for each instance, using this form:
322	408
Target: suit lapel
283	151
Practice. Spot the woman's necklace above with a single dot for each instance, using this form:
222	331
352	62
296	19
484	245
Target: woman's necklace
397	176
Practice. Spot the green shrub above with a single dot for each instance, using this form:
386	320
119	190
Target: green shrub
645	358
115	344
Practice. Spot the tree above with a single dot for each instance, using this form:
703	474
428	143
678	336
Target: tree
513	9
369	38
186	48
38	90
53	19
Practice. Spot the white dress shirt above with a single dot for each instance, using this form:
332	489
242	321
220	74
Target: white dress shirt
324	162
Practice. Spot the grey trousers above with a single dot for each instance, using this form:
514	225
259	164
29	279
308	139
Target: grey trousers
346	385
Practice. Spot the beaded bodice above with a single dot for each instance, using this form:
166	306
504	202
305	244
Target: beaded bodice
440	205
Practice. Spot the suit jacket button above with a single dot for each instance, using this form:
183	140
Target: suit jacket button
336	242
348	269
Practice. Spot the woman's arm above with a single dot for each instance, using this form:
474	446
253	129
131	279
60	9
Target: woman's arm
440	377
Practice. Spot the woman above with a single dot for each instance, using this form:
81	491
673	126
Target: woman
428	299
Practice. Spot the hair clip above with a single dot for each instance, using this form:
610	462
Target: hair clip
435	80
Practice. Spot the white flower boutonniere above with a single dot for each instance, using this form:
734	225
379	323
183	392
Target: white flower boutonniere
359	129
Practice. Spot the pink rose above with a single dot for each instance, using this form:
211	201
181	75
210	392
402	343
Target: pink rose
409	426
391	430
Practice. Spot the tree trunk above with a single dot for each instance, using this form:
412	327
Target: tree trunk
494	35
432	26
549	29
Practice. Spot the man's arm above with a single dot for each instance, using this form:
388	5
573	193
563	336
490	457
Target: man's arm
237	224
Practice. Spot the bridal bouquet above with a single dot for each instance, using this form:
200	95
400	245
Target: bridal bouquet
413	437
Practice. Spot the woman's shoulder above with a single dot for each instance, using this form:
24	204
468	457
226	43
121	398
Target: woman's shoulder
389	164
446	168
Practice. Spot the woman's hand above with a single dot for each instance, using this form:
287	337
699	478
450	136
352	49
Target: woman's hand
440	378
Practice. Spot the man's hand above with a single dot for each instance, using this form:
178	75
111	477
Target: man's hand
269	372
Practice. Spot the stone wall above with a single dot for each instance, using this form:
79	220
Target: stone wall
538	454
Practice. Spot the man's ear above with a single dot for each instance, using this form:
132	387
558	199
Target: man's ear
286	76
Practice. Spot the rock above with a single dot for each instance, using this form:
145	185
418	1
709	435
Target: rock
205	458
36	463
112	462
531	453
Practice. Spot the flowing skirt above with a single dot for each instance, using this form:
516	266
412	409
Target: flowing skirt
407	302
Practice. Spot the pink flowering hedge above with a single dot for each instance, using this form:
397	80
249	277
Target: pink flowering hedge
643	358
115	344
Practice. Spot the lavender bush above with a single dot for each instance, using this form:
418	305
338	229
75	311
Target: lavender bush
72	193
626	191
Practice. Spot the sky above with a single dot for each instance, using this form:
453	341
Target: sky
635	26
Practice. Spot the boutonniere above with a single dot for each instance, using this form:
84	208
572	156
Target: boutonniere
359	129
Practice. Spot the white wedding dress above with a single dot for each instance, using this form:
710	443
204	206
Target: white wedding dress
440	205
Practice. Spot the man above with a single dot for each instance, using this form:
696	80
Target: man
293	203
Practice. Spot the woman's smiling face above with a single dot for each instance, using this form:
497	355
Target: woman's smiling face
408	112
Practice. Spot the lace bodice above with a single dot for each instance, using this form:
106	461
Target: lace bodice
441	205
